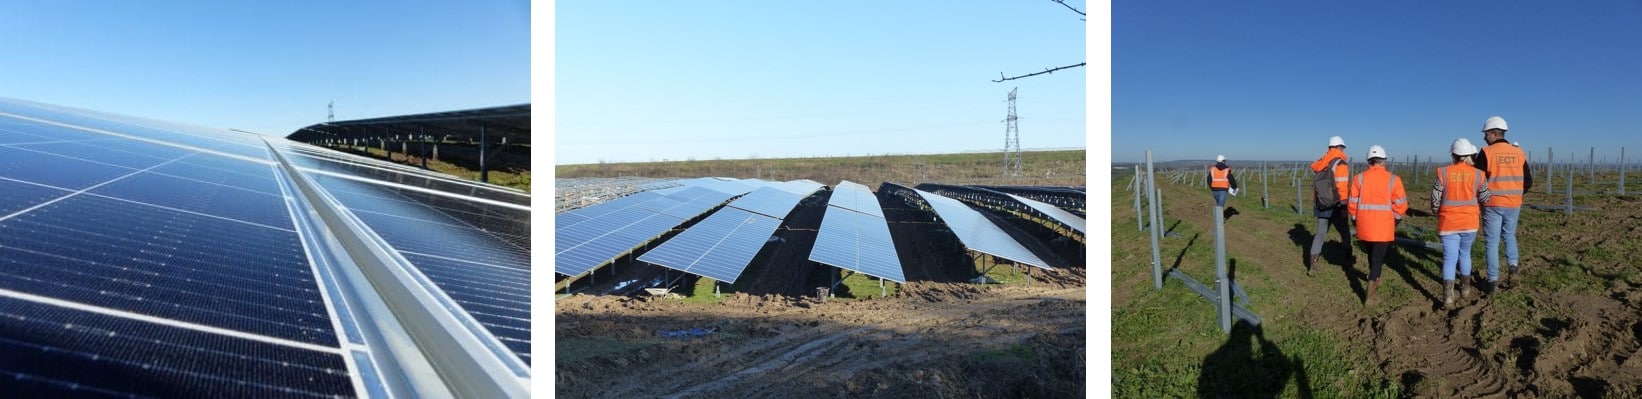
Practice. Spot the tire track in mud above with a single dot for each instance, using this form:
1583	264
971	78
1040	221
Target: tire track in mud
860	337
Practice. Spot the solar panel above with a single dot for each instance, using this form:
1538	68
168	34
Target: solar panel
977	232
852	196
1060	215
583	246
768	201
718	247
859	242
144	258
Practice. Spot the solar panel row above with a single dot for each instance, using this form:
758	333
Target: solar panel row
720	246
1060	215
979	233
859	242
600	233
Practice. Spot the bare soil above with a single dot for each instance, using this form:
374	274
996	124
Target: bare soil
1570	327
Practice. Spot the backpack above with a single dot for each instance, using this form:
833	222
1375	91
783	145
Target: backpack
1323	184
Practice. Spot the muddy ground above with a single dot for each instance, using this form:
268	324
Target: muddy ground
1571	327
937	337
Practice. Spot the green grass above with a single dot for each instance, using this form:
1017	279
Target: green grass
864	286
702	292
519	179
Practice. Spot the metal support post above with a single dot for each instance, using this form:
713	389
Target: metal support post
1622	168
423	138
1157	259
882	292
1140	220
1298	202
1220	272
484	152
1570	193
1550	168
1265	191
1590	166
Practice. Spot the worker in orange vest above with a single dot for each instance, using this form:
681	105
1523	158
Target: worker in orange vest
1333	213
1456	199
1377	204
1221	181
1505	165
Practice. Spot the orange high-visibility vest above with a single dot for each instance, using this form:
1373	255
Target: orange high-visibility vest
1377	201
1219	178
1505	175
1459	212
1342	171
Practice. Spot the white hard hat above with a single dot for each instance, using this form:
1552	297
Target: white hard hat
1336	140
1220	158
1494	122
1376	152
1462	147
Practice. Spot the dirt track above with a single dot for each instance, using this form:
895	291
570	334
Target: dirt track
934	340
1572	326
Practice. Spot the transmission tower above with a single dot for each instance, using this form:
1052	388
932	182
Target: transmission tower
1011	140
330	111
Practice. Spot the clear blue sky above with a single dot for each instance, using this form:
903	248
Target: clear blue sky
1273	81
266	66
737	79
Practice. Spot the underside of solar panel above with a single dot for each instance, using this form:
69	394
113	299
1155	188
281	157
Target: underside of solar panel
141	258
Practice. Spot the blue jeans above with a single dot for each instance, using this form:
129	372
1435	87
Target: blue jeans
1219	198
1456	250
1497	223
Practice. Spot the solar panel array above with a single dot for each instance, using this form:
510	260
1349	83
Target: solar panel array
853	237
1060	215
977	232
143	258
135	267
596	235
721	246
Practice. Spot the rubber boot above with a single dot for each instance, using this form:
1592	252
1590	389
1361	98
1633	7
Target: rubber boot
1447	294
1373	285
1311	268
1465	285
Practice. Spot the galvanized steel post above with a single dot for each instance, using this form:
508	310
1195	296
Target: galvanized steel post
1570	193
1265	192
1157	259
1550	169
1140	221
1220	272
1622	168
1297	197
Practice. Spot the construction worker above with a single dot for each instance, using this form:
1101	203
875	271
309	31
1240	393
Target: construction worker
1505	165
1221	180
1334	212
1377	204
1456	199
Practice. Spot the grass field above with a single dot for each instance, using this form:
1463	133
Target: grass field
1050	168
1551	337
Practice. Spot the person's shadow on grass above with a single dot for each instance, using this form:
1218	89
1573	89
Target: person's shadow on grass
1235	370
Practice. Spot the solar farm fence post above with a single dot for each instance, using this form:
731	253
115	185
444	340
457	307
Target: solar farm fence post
1220	273
1297	196
1140	221
1265	192
1550	168
1570	203
484	149
1157	259
1622	167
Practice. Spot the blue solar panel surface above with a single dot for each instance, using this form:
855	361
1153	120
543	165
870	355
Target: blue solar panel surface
718	247
1054	212
855	197
859	242
979	233
769	201
585	245
145	259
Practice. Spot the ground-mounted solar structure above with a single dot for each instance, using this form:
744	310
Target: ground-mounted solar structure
141	258
1002	200
972	228
591	237
854	235
721	246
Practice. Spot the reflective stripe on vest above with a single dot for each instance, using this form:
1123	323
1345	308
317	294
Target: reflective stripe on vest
1506	175
1218	177
1477	184
1390	187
